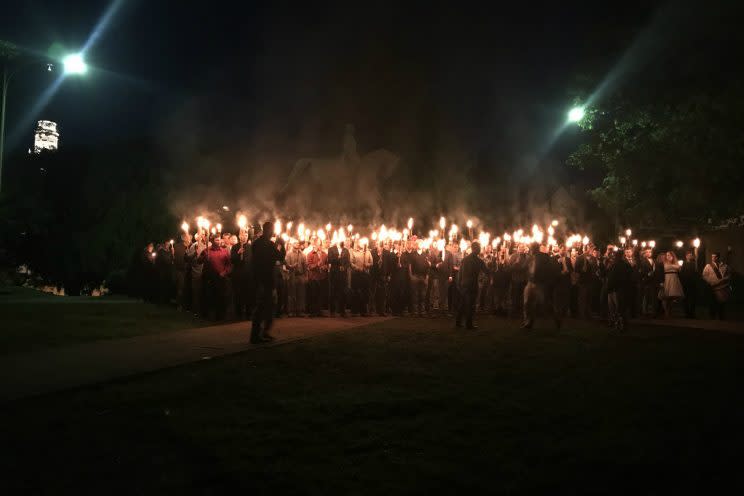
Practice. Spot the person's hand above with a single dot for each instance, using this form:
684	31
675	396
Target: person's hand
449	279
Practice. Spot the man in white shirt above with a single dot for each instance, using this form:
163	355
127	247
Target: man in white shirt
718	277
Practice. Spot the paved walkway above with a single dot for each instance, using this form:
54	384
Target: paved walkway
44	371
704	324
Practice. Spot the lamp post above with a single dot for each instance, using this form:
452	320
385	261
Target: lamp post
72	64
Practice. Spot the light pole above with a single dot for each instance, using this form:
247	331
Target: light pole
72	64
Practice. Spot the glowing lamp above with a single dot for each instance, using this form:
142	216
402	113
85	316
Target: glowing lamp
576	114
74	64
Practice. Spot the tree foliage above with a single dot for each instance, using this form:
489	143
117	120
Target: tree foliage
667	136
75	216
667	160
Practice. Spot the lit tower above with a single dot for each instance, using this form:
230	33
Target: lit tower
46	136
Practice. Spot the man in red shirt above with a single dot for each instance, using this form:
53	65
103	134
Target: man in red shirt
217	268
317	268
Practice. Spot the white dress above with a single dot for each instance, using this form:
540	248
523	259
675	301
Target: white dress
672	285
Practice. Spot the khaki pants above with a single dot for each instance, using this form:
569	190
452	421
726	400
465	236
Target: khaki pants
296	294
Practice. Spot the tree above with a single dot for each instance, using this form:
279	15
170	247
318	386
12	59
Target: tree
77	215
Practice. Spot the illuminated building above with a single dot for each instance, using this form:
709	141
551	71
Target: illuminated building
46	136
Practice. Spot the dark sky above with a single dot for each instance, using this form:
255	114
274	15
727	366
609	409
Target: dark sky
490	71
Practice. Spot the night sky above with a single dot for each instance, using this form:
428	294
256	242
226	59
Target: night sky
494	73
260	85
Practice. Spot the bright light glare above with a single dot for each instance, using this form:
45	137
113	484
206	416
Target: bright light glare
576	114
74	64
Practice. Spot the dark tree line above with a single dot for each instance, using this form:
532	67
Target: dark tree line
77	217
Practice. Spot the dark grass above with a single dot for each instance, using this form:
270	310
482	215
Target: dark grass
32	320
401	407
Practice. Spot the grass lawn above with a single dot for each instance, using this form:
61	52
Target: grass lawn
32	320
404	406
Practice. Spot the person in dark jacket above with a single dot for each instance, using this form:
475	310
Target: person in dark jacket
620	282
182	272
467	286
689	277
543	273
164	269
339	266
264	259
149	274
241	255
517	267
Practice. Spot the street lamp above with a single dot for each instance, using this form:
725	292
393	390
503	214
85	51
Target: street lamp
576	114
73	64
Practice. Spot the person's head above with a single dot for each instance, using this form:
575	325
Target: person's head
690	256
266	229
243	237
475	248
629	253
562	250
618	255
150	247
296	245
715	257
535	248
670	257
186	237
648	253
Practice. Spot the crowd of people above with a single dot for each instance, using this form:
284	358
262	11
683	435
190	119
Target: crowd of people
223	276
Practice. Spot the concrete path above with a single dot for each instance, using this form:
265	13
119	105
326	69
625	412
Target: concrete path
704	324
44	371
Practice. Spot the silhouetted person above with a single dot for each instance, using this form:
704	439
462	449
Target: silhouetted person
339	263
542	274
620	284
148	278
182	272
241	255
689	277
467	286
265	257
